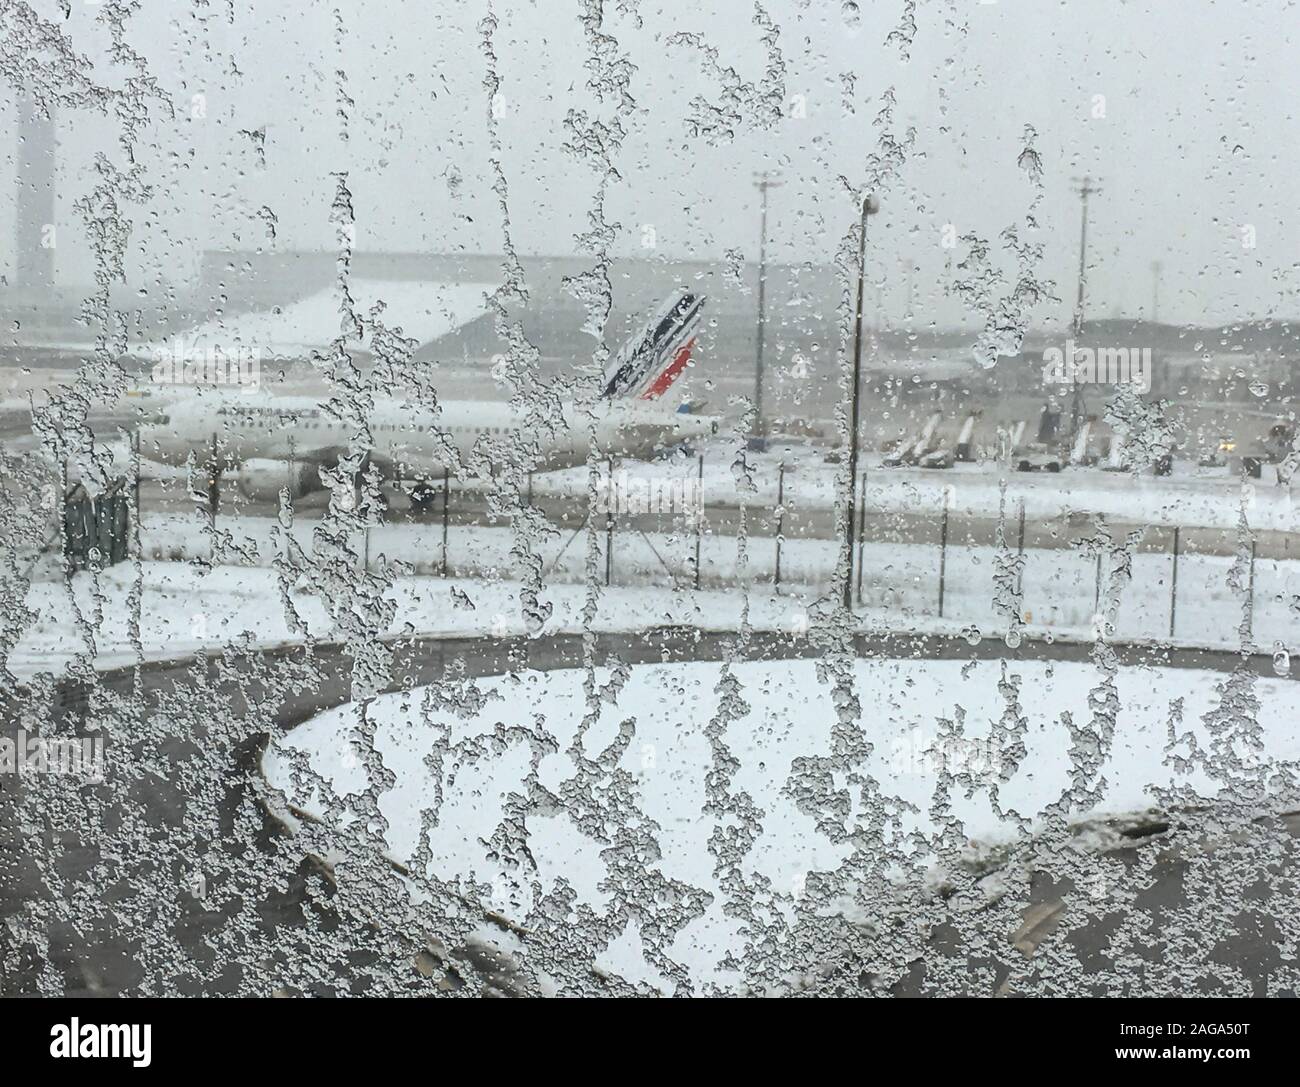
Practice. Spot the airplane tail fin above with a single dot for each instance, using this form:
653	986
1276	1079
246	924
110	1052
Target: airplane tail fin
647	365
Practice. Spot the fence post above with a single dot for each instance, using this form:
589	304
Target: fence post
135	470
446	498
609	527
1020	553
1173	586
780	521
943	551
1250	614
699	523
862	527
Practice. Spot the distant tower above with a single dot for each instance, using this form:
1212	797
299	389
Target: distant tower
34	206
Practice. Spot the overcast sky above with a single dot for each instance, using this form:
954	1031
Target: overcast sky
1183	109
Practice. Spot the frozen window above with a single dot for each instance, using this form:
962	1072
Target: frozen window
744	498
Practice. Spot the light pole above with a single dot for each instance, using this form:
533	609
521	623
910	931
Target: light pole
1085	190
870	205
1155	312
764	182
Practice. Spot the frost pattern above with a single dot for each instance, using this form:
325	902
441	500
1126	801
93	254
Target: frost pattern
209	894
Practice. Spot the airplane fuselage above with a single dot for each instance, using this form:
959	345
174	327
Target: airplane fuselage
463	436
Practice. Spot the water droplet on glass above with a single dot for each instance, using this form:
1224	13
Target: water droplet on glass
1012	639
1259	388
852	14
972	635
1282	663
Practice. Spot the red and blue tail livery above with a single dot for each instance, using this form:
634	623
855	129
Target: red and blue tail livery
647	365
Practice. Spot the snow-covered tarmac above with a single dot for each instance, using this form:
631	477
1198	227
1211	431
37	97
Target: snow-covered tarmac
1191	497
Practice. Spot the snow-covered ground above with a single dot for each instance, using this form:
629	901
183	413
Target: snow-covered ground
470	785
901	582
653	576
183	609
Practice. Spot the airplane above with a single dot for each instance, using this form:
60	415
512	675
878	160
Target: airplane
274	442
911	450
